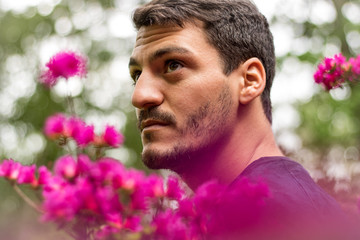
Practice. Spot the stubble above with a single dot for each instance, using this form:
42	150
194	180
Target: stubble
203	130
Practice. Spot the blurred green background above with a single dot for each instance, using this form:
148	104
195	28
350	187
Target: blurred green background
319	129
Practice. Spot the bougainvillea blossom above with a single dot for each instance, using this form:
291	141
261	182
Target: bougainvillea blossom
106	196
170	226
27	175
174	189
66	167
334	72
355	67
61	127
44	175
64	64
54	126
82	133
60	200
110	137
10	169
330	72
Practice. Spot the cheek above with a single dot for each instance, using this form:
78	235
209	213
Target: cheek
186	99
195	94
187	105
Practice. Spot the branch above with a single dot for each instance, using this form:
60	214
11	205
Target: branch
27	199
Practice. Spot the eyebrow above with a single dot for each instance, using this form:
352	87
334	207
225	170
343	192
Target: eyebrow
159	53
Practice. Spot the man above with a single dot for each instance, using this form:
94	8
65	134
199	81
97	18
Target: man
202	72
201	107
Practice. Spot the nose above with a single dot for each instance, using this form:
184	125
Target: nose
147	92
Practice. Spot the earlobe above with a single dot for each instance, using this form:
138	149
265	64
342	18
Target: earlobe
253	80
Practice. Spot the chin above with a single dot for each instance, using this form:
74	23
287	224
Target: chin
173	159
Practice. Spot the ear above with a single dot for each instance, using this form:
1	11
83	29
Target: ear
253	80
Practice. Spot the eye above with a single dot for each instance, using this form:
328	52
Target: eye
172	66
135	75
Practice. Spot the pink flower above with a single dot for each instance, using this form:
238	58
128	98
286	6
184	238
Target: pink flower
213	212
54	126
174	189
44	175
108	200
105	231
59	126
4	166
64	64
54	183
86	194
10	169
156	185
108	171
80	132
65	200
60	200
330	72
110	137
333	72
66	167
27	175
132	179
354	63
207	195
114	220
84	164
242	198
21	174
140	199
186	208
14	171
133	223
170	226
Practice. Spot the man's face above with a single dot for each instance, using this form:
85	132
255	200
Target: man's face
185	104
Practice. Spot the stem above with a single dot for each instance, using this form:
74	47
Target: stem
70	100
68	231
71	105
71	150
98	152
30	202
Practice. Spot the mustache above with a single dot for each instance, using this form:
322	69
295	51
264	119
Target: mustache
155	114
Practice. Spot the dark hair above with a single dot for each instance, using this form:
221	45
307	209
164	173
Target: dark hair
235	28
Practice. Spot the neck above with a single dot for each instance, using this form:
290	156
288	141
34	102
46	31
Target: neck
230	156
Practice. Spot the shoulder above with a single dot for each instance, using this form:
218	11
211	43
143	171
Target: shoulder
290	185
268	166
295	202
279	172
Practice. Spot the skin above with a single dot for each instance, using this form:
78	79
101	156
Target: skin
193	118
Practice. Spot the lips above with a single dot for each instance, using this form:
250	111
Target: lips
151	122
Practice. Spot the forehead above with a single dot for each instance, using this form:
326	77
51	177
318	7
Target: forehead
190	37
154	33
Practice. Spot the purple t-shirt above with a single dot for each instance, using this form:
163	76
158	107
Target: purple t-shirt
296	202
291	187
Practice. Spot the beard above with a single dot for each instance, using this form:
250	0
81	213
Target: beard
204	128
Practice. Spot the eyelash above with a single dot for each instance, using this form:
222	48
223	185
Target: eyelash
136	74
169	62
